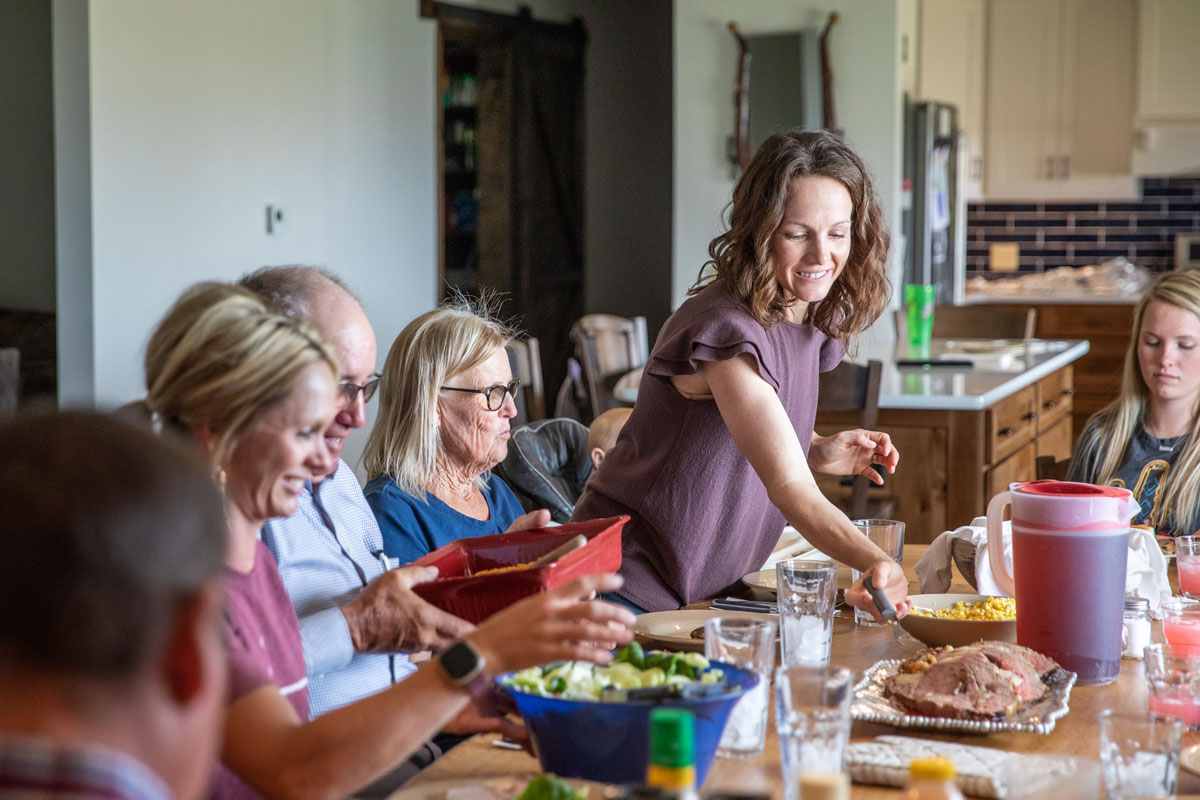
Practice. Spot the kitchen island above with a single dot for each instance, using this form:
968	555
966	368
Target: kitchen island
965	433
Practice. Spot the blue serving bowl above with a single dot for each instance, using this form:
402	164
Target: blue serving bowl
610	742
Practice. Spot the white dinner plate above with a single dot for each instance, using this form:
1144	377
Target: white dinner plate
673	630
501	787
765	578
1189	759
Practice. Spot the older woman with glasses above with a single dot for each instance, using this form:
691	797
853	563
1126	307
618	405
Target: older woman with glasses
444	411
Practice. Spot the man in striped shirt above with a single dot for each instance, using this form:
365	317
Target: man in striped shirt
112	665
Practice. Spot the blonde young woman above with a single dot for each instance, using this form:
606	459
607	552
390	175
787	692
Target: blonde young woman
257	391
720	449
445	405
1146	440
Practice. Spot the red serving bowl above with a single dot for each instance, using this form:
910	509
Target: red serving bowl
474	597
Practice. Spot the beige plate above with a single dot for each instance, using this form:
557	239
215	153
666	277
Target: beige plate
673	629
498	788
765	578
1189	759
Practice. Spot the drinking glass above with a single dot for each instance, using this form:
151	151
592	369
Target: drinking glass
812	715
1187	561
888	536
750	644
1140	754
1181	621
1049	777
805	592
1173	680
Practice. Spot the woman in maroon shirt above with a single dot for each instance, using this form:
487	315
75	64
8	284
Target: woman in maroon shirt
257	390
720	449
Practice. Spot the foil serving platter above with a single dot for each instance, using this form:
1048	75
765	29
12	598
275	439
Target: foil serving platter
870	705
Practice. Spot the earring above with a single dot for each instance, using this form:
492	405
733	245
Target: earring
221	479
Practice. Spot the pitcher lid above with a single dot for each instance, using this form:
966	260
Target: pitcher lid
1047	488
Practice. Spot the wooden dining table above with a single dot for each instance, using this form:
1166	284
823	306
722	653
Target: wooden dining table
856	647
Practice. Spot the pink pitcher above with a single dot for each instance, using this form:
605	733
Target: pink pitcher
1070	542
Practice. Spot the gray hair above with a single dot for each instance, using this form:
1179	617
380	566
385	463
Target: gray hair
434	348
107	529
293	287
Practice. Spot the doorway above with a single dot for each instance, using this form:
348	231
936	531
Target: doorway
511	150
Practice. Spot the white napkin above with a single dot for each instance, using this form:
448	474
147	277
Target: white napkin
792	544
1145	573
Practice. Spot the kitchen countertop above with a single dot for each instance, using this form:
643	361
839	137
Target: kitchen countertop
999	368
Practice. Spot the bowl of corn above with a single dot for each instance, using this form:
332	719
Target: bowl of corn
959	619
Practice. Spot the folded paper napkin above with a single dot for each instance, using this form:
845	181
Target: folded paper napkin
1145	573
978	770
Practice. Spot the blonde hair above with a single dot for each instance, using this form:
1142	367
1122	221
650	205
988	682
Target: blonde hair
741	256
1120	420
434	348
221	356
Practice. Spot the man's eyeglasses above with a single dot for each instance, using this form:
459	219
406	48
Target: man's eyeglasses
349	391
495	394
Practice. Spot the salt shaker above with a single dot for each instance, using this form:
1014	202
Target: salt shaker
1136	634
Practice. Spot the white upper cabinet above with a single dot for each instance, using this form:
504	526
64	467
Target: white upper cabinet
1168	62
950	69
1060	99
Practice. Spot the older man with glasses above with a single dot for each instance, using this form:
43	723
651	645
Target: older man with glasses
359	617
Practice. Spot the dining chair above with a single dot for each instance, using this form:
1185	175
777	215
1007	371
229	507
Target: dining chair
525	359
608	346
10	380
851	387
1049	468
982	322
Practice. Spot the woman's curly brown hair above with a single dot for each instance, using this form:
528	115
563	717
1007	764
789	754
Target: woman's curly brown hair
741	257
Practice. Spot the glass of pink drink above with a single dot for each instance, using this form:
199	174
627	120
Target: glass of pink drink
1173	679
1187	560
1181	621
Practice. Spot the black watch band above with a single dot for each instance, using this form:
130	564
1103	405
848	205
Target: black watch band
464	666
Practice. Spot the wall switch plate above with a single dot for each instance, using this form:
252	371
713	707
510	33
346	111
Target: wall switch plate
274	219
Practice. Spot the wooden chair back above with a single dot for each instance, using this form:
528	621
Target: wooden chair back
982	322
608	346
1047	468
10	380
850	387
526	361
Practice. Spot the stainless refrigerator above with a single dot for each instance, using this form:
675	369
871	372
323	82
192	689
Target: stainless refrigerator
934	215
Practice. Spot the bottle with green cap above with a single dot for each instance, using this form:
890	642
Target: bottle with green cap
931	779
673	753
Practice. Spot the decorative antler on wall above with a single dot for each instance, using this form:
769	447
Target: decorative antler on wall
739	143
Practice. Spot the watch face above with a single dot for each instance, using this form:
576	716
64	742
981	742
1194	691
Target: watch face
460	660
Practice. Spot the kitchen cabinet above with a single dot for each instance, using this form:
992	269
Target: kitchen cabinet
952	461
1168	61
1060	99
950	69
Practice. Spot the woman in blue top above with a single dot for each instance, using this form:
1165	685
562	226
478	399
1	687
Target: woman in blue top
446	398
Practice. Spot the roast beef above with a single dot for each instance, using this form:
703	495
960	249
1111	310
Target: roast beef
985	680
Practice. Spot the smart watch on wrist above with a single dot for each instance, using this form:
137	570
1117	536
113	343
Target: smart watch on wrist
463	663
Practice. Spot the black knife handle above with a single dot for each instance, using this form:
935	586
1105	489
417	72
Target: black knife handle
886	609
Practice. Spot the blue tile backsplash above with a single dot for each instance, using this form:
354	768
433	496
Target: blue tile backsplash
1074	234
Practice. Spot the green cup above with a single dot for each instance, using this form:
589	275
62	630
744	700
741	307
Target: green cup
918	299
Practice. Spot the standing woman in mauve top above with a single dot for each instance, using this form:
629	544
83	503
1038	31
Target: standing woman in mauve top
720	449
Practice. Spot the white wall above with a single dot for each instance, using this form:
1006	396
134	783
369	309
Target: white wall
865	56
203	113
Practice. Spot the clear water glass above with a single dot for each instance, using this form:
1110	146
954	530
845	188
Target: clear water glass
806	593
812	717
1049	777
888	536
750	644
1140	754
